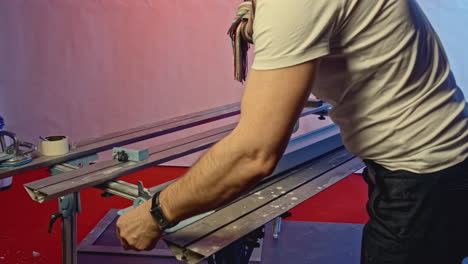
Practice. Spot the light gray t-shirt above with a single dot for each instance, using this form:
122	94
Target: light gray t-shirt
384	70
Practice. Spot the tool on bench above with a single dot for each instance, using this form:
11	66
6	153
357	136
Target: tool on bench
15	154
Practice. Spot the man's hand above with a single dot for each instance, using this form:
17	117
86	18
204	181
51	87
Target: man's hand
137	229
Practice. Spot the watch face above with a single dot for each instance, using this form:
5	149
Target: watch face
157	217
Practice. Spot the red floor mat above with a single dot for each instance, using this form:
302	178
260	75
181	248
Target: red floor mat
23	222
344	202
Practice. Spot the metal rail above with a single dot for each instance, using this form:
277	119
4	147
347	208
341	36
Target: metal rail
74	181
213	233
95	145
106	142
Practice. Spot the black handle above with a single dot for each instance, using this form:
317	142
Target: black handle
54	218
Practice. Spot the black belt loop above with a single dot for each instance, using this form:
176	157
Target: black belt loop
371	171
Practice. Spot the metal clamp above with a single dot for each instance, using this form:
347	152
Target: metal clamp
15	154
3	144
143	195
17	147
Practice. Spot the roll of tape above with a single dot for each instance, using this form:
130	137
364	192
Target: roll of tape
54	146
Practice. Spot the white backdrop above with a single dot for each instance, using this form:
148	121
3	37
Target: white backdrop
450	19
85	68
88	67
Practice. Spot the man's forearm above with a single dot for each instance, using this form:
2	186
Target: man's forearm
251	151
222	174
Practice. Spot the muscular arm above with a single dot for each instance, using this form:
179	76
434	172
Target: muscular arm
271	104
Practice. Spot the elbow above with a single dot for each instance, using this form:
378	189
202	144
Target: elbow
251	167
257	159
263	163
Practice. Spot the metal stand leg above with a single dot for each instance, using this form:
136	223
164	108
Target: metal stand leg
69	206
277	227
277	224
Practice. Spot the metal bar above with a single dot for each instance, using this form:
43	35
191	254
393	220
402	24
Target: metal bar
69	206
305	147
118	250
53	187
109	141
288	181
277	227
66	184
112	164
234	230
120	188
69	253
231	108
127	190
122	138
235	108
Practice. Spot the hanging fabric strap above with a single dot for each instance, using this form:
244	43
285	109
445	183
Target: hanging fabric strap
241	33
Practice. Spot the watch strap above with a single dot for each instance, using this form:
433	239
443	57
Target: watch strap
158	214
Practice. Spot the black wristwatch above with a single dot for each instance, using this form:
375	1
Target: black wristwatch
158	215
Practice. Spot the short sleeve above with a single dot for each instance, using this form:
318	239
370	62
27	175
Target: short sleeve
291	32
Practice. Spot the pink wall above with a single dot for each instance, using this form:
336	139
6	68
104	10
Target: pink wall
88	67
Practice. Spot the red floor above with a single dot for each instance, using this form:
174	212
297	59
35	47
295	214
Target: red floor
24	223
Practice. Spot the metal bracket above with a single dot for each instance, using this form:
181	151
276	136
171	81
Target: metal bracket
124	154
143	192
143	195
70	204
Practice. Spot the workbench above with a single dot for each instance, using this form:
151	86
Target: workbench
234	233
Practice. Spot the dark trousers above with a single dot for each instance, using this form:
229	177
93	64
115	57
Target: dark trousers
416	218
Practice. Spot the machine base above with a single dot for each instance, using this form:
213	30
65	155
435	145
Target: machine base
298	242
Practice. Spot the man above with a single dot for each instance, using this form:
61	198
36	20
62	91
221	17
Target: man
383	68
